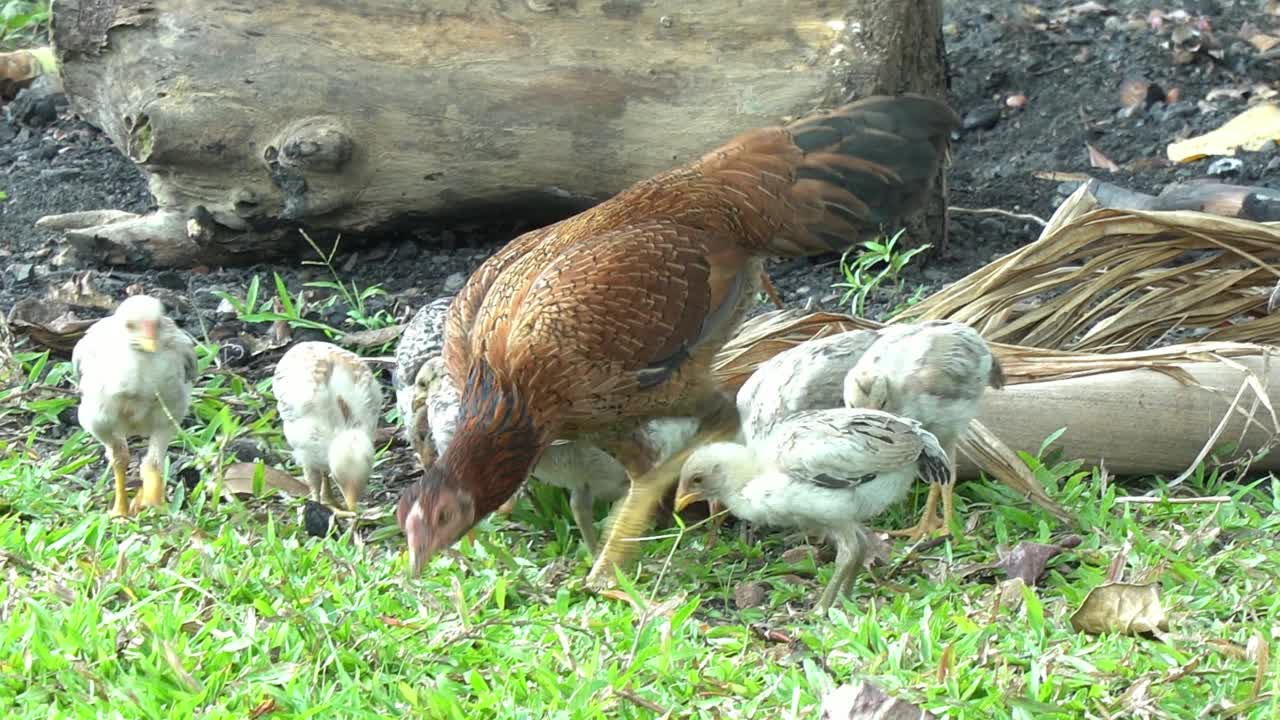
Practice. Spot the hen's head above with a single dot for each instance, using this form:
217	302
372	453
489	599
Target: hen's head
141	316
433	515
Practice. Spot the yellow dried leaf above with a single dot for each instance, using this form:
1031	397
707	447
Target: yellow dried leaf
1248	131
238	478
1123	608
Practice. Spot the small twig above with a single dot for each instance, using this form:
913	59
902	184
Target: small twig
998	211
1145	500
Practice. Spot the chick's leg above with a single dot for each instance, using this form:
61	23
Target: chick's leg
317	482
850	552
118	458
580	504
152	471
928	519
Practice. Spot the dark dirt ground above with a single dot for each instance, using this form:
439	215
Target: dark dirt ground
1068	60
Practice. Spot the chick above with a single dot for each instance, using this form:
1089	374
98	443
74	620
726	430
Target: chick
824	472
934	372
329	401
136	370
422	339
586	471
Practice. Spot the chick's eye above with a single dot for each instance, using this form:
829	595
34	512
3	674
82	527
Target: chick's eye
131	325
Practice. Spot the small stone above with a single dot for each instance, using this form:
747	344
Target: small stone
21	272
749	595
226	308
983	118
454	282
407	250
1226	166
171	280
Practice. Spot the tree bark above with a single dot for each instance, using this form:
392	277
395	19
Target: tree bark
353	116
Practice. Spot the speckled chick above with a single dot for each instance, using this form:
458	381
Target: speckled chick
934	372
823	472
329	401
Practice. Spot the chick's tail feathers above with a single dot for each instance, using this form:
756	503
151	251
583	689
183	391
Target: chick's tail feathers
933	464
825	181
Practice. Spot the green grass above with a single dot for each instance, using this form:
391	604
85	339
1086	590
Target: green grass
23	23
229	610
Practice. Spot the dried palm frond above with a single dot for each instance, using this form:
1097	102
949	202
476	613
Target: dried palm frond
767	334
1114	280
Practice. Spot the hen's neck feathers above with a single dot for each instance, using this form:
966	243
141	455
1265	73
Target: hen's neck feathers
496	442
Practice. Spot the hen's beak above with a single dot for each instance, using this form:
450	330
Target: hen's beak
146	336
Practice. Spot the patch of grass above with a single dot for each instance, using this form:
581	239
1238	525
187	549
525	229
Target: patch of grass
229	610
23	23
877	261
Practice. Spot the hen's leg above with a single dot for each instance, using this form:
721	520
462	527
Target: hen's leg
152	471
118	458
506	507
580	503
631	517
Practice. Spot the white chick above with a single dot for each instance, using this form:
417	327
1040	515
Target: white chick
809	376
822	471
934	372
136	370
329	401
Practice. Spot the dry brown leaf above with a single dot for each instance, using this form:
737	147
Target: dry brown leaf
1099	160
82	291
238	478
1123	608
865	701
1133	92
362	339
266	707
48	324
1263	42
1027	561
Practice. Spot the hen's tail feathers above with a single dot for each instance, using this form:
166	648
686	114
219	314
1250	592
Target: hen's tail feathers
828	180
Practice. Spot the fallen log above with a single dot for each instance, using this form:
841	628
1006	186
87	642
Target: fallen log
1144	421
254	118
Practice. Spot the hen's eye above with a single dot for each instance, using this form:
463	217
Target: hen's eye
444	517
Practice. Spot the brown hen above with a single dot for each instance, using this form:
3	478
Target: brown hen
591	326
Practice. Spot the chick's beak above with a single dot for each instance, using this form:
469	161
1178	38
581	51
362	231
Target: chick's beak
685	497
146	336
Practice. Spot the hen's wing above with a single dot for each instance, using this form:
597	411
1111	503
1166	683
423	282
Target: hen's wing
843	448
612	315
